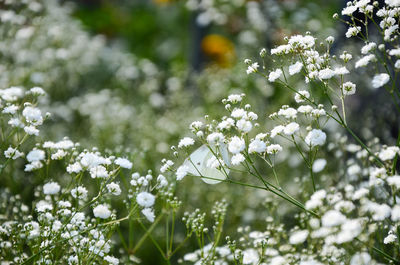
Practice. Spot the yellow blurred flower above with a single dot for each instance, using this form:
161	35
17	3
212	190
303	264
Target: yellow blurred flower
219	49
162	2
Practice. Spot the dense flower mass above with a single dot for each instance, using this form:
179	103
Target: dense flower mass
305	164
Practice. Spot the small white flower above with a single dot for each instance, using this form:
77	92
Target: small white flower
291	128
295	68
380	80
101	211
79	193
236	145
389	153
113	188
298	237
353	31
215	137
364	61
326	74
185	142
237	159
257	146
277	130
391	238
123	162
149	214
333	218
315	137
274	75
99	172
349	88
244	125
31	130
318	165
12	153
145	199
252	68
301	96
111	260
35	155
51	188
274	148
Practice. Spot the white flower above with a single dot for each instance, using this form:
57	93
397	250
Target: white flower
250	256
181	172
395	213
123	162
238	113
295	68
333	218
145	199
303	42
397	64
185	142
38	91
99	172
301	96
79	192
252	68
349	88
390	238
74	168
215	137
12	153
346	57
288	113
315	137
350	229
380	80
277	130
389	153
51	188
35	155
368	47
113	188
353	31
394	181
236	145
31	130
318	165
298	237
274	75
235	98
101	211
257	146
341	71
244	126
111	260
90	160
306	109
326	74
274	148
364	61
362	258
291	128
10	109
349	10
149	214
237	159
33	115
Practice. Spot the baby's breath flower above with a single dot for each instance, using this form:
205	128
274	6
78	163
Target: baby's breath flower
101	211
51	188
145	199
